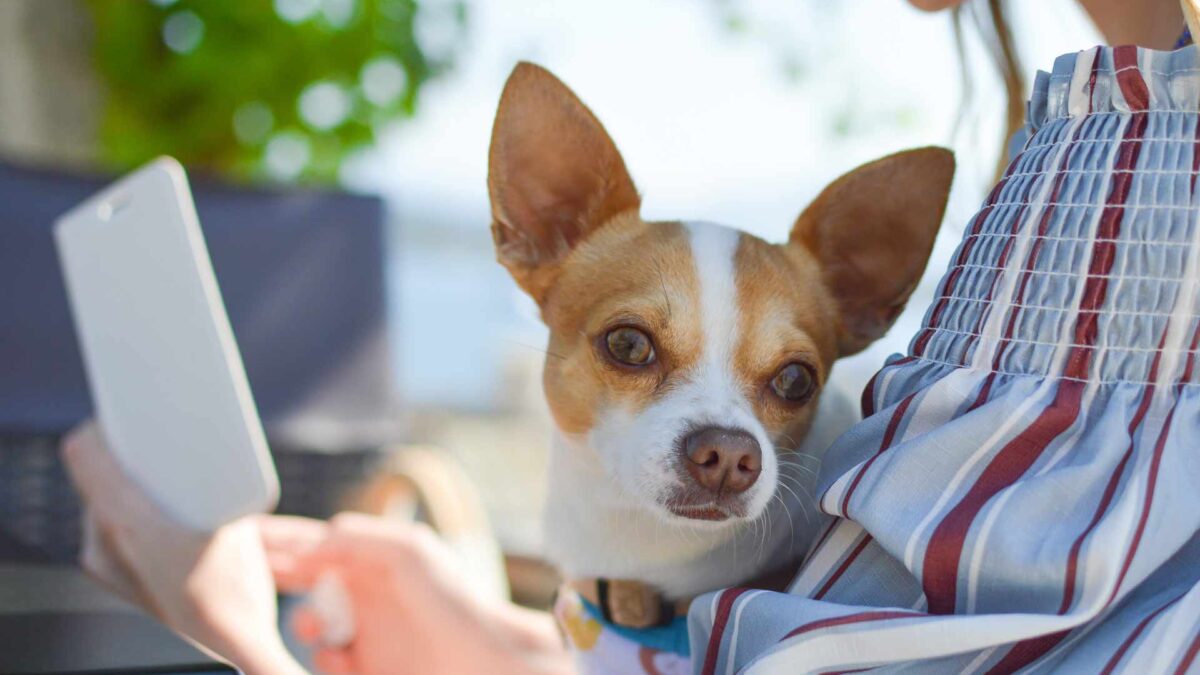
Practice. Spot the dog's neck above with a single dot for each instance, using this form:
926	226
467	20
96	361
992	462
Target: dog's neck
593	529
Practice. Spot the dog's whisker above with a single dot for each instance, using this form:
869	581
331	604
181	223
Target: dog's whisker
762	544
797	465
783	484
790	525
768	530
803	488
805	470
760	534
795	453
795	482
662	282
535	348
789	439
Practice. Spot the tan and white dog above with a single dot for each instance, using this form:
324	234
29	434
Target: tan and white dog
686	359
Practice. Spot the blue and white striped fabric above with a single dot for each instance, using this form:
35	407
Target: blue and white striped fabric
1024	492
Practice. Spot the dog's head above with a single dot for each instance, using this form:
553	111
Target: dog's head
689	356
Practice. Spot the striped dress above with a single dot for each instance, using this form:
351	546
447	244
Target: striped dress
1024	491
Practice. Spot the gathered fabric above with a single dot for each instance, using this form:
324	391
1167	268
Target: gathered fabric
1024	489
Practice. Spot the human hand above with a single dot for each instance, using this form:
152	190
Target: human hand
413	612
213	587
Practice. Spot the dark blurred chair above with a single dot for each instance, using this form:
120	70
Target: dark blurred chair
303	276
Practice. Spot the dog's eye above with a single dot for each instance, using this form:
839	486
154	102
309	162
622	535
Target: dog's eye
794	382
629	346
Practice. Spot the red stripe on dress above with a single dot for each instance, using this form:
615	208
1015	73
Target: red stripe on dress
1031	259
1155	464
1025	652
837	574
867	403
1114	480
1141	626
1144	405
960	260
944	550
1129	77
1001	262
1035	251
861	617
1195	155
1166	425
720	620
868	395
1087	325
1092	80
1185	377
1189	656
1137	631
935	319
821	541
986	390
964	252
888	436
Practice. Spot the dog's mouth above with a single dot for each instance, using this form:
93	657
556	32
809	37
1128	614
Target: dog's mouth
711	511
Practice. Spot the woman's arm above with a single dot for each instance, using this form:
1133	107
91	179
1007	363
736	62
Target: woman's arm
215	589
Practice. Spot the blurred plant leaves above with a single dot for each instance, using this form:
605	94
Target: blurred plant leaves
219	84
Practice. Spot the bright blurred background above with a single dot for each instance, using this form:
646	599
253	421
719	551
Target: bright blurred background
736	111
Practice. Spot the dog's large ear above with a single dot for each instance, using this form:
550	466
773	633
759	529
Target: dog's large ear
872	231
554	176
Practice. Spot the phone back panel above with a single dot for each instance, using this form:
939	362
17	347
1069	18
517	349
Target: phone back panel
163	367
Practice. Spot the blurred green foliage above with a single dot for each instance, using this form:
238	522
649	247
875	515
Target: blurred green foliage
255	88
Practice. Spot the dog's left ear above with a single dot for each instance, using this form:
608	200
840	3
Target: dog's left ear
872	231
554	177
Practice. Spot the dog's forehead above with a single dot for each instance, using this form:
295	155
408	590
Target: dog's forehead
700	277
629	265
765	302
782	294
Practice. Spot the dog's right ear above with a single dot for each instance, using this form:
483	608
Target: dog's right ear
554	176
872	231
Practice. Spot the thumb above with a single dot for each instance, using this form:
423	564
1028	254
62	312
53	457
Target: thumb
298	571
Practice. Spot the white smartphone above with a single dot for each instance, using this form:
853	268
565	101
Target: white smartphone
165	374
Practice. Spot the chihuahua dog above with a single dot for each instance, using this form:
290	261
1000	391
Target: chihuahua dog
686	359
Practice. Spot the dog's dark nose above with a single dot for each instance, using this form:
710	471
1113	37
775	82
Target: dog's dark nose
722	461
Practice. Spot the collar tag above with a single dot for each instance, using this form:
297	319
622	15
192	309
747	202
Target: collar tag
631	604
